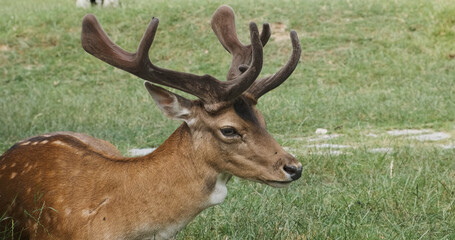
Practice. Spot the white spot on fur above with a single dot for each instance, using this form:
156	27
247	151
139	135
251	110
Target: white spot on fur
170	231
89	212
13	165
85	213
220	191
140	151
58	142
28	169
166	231
13	175
34	143
67	211
25	143
44	142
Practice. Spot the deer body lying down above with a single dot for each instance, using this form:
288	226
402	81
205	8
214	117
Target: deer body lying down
72	186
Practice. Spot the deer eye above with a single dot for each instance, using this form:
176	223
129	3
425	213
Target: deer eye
229	132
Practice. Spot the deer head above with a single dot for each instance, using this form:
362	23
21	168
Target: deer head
224	122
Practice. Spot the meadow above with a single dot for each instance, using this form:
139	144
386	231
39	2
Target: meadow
367	67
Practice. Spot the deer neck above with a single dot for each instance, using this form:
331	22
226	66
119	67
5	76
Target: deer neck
189	167
176	182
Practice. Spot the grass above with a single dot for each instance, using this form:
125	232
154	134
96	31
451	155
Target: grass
367	66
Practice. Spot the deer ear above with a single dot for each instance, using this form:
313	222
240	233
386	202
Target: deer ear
171	104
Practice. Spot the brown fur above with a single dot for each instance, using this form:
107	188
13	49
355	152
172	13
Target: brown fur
69	190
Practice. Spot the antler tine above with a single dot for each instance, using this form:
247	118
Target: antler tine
262	86
250	75
210	90
265	34
223	25
96	42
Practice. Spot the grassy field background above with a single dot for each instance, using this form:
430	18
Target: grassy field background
367	67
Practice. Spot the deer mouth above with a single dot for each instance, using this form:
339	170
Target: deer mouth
278	184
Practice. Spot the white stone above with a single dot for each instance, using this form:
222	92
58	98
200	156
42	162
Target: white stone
447	146
331	152
408	132
380	150
321	131
437	136
327	145
323	137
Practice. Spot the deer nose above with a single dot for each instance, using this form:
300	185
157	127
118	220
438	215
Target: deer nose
294	171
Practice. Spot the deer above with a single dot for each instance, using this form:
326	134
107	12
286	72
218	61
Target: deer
66	185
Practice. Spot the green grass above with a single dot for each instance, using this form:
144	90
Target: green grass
366	67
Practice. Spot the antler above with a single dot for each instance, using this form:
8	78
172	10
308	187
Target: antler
223	24
262	86
209	89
